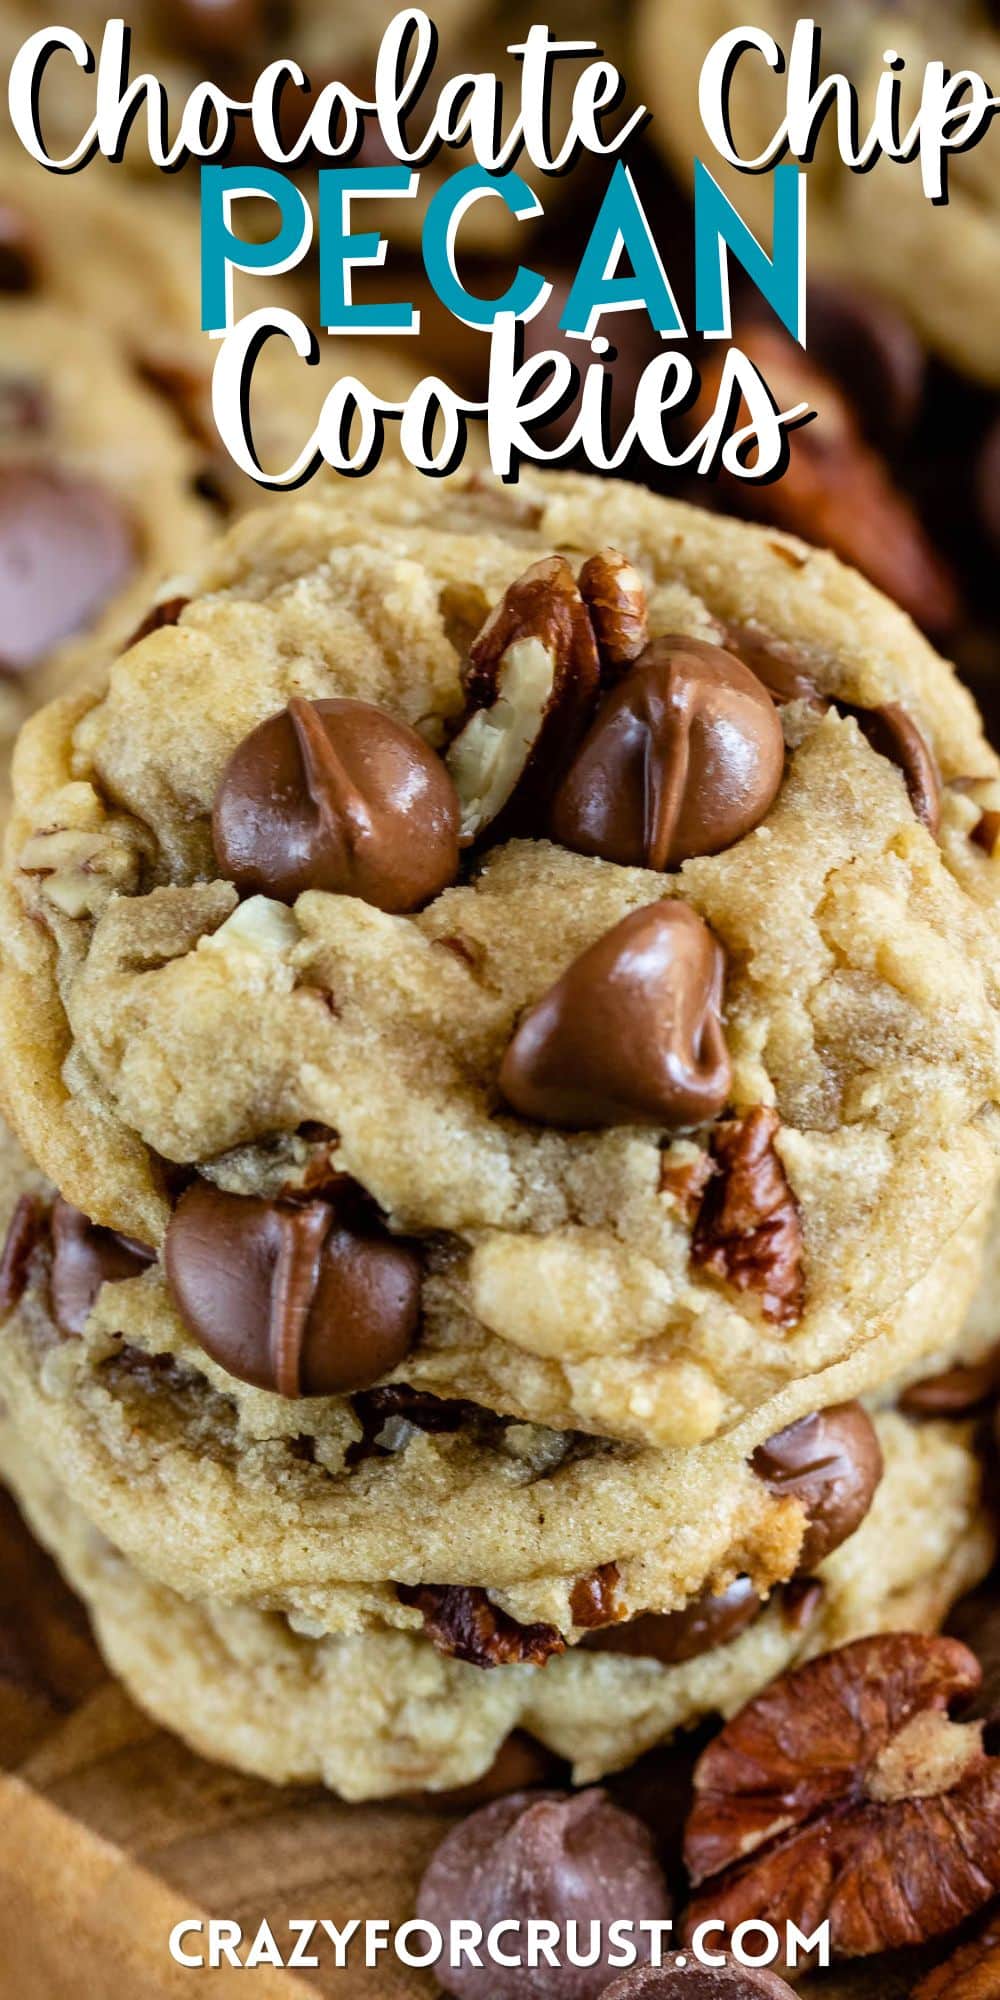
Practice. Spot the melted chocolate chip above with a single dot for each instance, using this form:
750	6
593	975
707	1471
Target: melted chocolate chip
672	1636
894	734
18	251
685	756
957	1392
632	1032
25	1232
289	1296
84	1257
461	1622
832	1463
65	549
565	1857
337	795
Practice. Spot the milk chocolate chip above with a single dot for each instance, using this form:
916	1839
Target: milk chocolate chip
632	1032
571	1858
832	1463
685	757
894	734
337	795
84	1257
672	1636
288	1295
956	1392
682	1978
65	549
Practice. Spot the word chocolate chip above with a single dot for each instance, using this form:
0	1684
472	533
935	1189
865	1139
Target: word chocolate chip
287	1295
748	1229
566	1857
673	1636
685	756
845	1793
85	1257
461	1622
832	1463
337	795
65	549
632	1032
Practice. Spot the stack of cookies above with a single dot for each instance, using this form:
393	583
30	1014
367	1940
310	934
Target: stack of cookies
500	1002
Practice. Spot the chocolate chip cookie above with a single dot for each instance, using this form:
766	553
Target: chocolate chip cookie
385	1712
98	500
592	939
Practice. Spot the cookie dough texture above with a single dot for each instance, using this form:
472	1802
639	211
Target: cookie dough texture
383	1713
877	228
146	1019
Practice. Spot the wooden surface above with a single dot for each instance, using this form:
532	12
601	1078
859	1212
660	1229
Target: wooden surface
111	1832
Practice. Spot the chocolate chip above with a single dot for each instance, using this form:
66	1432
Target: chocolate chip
461	1622
894	734
778	664
84	1257
65	549
632	1032
748	1230
875	354
24	1233
685	756
288	1295
570	1858
337	795
683	1978
594	1598
18	251
956	1392
166	612
987	483
672	1636
800	1601
832	1463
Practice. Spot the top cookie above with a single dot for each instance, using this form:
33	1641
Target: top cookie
657	1016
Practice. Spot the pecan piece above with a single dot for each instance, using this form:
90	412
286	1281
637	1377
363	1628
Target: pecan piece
748	1229
531	685
594	1599
615	596
25	1232
460	1621
844	1793
972	1972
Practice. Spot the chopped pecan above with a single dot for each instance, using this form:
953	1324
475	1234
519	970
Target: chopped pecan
748	1229
25	1232
461	1621
615	596
594	1599
844	1793
971	1973
686	1179
531	685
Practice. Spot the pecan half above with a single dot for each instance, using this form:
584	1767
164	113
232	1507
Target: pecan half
460	1621
972	1972
845	1794
531	685
615	596
748	1229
